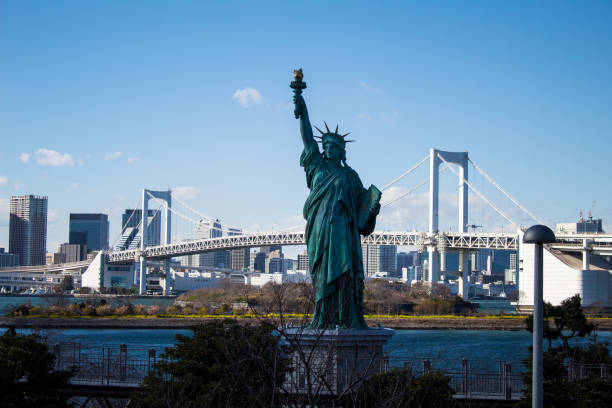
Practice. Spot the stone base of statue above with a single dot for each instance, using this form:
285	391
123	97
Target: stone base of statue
334	361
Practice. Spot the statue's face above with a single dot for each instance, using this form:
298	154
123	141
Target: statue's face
332	151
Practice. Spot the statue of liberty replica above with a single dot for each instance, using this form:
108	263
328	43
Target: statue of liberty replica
338	210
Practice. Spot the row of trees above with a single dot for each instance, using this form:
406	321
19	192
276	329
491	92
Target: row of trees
380	297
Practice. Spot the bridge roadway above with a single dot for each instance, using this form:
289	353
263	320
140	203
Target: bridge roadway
421	240
600	244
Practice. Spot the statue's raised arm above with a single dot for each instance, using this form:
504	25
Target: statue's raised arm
300	111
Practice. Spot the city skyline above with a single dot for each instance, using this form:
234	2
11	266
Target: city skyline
107	99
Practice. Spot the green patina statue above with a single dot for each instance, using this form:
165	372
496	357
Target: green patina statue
337	211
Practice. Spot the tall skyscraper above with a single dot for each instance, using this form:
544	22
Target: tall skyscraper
404	260
239	258
388	259
73	252
130	221
28	229
302	260
371	259
89	230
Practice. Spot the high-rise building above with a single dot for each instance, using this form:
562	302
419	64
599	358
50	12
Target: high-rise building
371	258
302	260
388	259
28	229
130	225
404	260
270	248
7	260
239	258
90	230
379	258
55	258
73	252
588	226
258	261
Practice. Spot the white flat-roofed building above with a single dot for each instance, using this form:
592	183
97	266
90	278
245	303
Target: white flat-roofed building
565	275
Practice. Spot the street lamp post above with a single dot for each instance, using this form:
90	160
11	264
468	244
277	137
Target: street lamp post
538	235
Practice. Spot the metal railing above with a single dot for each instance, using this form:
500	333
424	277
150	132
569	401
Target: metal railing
113	365
105	365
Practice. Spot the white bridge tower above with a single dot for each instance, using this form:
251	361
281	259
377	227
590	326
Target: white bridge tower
437	254
165	196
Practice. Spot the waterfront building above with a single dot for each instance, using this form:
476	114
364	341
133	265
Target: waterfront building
588	226
277	254
89	230
566	274
28	229
7	259
72	252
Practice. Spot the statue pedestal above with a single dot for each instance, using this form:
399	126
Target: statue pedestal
334	361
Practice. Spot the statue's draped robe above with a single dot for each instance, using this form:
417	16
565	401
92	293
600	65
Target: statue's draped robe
334	244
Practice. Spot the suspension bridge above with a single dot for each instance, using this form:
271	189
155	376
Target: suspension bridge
139	246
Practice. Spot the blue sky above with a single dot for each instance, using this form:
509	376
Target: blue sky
104	98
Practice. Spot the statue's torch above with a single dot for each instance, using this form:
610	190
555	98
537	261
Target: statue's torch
297	85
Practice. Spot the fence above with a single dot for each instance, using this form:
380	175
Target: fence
105	365
474	378
119	366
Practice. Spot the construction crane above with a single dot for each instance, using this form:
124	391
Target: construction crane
591	210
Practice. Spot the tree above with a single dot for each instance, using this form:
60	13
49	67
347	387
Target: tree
569	322
67	283
224	364
401	389
559	389
27	375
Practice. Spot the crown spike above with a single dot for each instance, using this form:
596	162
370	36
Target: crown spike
346	134
336	132
322	132
326	127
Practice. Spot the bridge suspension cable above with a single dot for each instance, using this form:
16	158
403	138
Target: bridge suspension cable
124	227
410	191
525	210
195	222
485	199
212	220
404	174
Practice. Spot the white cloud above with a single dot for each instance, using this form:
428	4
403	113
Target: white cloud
52	216
24	157
48	157
186	192
3	180
368	87
364	116
132	160
74	186
112	156
4	212
247	96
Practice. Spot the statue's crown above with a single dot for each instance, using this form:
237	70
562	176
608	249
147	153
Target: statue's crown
332	137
